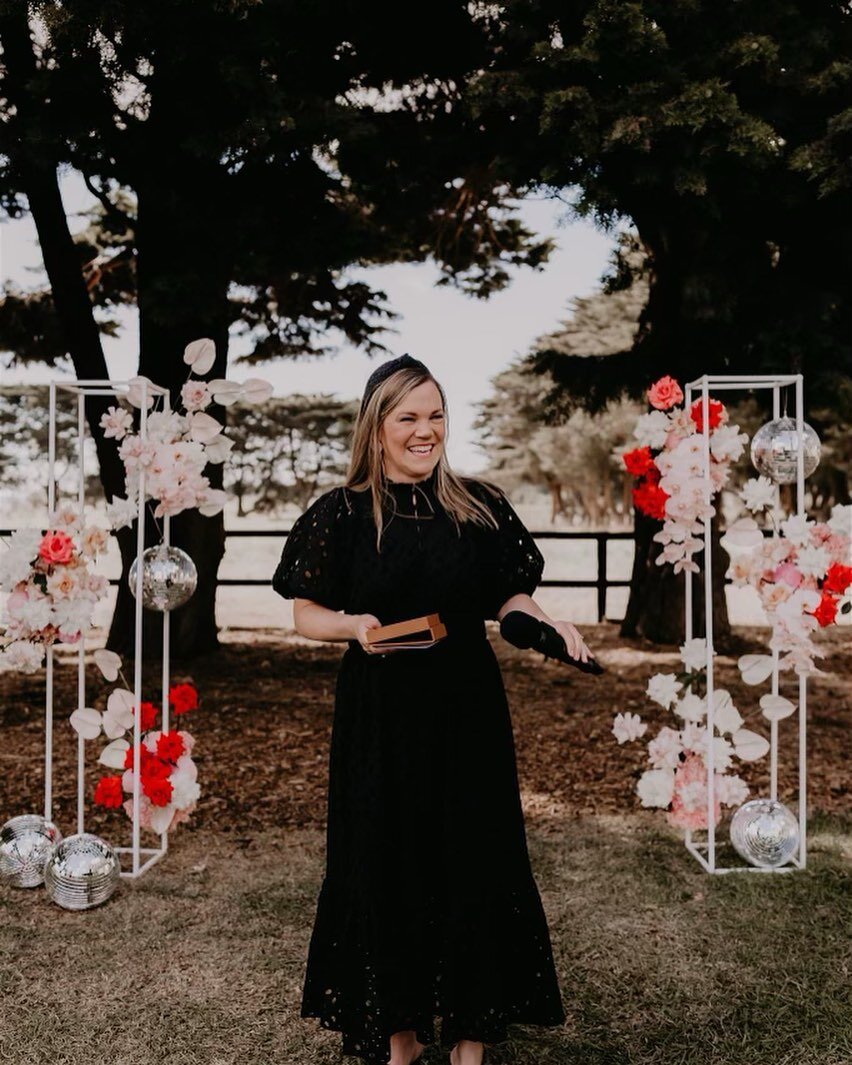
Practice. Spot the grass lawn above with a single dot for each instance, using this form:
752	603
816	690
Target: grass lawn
200	962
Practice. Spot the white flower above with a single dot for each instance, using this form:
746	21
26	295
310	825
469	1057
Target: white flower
32	609
797	529
758	494
93	541
628	727
656	787
185	789
16	565
693	653
695	740
663	688
727	443
195	395
165	427
67	518
812	561
214	500
841	519
116	423
730	789
664	750
121	512
23	656
200	355
652	428
690	707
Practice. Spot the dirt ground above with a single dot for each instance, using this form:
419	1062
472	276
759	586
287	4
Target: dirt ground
262	730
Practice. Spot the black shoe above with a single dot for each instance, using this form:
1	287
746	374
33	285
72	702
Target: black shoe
524	631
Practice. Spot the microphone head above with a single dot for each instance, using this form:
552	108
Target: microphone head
520	629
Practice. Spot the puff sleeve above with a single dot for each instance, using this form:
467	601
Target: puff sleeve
515	563
313	561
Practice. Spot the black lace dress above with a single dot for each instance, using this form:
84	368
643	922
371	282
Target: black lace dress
428	906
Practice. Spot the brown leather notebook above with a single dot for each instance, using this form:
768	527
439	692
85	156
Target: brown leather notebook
407	635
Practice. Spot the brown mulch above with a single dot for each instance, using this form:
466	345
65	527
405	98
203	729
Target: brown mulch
263	727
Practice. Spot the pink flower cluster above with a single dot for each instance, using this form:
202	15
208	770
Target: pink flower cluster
804	579
672	486
52	591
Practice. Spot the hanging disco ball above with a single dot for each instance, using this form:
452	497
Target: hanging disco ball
169	577
82	872
26	843
775	449
765	833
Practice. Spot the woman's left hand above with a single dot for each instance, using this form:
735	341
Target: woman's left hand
573	640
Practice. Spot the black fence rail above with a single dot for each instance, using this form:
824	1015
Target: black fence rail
601	581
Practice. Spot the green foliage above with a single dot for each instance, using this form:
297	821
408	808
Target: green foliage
722	130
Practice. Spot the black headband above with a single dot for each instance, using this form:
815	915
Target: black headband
381	373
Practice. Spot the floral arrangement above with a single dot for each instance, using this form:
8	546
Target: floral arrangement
178	446
169	788
803	575
677	779
52	590
669	463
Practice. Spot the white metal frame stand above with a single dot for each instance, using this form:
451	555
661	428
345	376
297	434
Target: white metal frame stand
106	388
705	853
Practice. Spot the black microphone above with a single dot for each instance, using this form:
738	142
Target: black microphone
523	630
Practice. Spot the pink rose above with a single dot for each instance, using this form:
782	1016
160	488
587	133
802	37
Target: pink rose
665	393
787	573
56	547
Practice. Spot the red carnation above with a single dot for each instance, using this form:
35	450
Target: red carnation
638	461
108	792
159	792
651	500
147	716
826	612
170	746
653	475
183	697
716	413
144	755
837	578
155	769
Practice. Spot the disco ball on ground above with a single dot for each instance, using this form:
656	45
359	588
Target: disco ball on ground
765	833
169	577
26	843
775	449
82	872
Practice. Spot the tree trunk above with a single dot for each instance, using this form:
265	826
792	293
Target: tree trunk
656	605
183	276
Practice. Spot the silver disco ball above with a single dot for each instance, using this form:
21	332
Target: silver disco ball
26	843
82	872
169	577
775	447
765	832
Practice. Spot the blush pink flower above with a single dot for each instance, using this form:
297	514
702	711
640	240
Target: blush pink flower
665	393
788	574
689	801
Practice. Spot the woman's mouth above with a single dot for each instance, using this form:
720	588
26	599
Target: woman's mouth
421	449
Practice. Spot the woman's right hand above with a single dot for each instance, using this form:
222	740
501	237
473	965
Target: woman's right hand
361	624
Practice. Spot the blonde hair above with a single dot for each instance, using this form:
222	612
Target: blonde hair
366	473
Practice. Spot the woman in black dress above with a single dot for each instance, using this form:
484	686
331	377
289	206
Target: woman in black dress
428	905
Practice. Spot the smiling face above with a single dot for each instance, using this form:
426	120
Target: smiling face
412	435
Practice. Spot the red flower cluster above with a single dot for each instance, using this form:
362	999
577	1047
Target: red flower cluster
108	792
650	499
837	578
183	697
147	716
826	612
154	772
639	461
716	411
